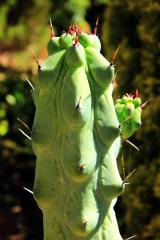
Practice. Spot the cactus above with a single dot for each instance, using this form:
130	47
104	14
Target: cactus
76	136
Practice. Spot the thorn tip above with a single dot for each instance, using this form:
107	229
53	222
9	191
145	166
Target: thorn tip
144	104
27	190
132	144
137	93
23	123
51	26
28	137
30	84
35	58
114	55
96	26
131	237
129	175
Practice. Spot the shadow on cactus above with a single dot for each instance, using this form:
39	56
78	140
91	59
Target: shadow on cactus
76	136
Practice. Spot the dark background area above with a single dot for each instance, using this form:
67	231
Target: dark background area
132	25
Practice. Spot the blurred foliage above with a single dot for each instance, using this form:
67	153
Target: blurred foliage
24	27
133	25
16	161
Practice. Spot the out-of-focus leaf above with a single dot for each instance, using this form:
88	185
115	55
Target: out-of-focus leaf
3	127
10	99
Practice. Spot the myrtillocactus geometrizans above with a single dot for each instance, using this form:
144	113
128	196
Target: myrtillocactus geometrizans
76	137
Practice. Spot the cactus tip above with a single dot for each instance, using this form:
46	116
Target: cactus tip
74	28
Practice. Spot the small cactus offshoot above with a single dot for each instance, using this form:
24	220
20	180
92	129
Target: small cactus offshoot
128	110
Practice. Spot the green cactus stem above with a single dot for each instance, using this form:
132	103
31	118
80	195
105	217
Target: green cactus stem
129	109
76	137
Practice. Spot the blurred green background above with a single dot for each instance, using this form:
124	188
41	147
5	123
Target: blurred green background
24	27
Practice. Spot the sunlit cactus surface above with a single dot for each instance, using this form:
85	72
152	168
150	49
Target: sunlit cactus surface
76	136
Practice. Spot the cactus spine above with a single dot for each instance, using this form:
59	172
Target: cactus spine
76	137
